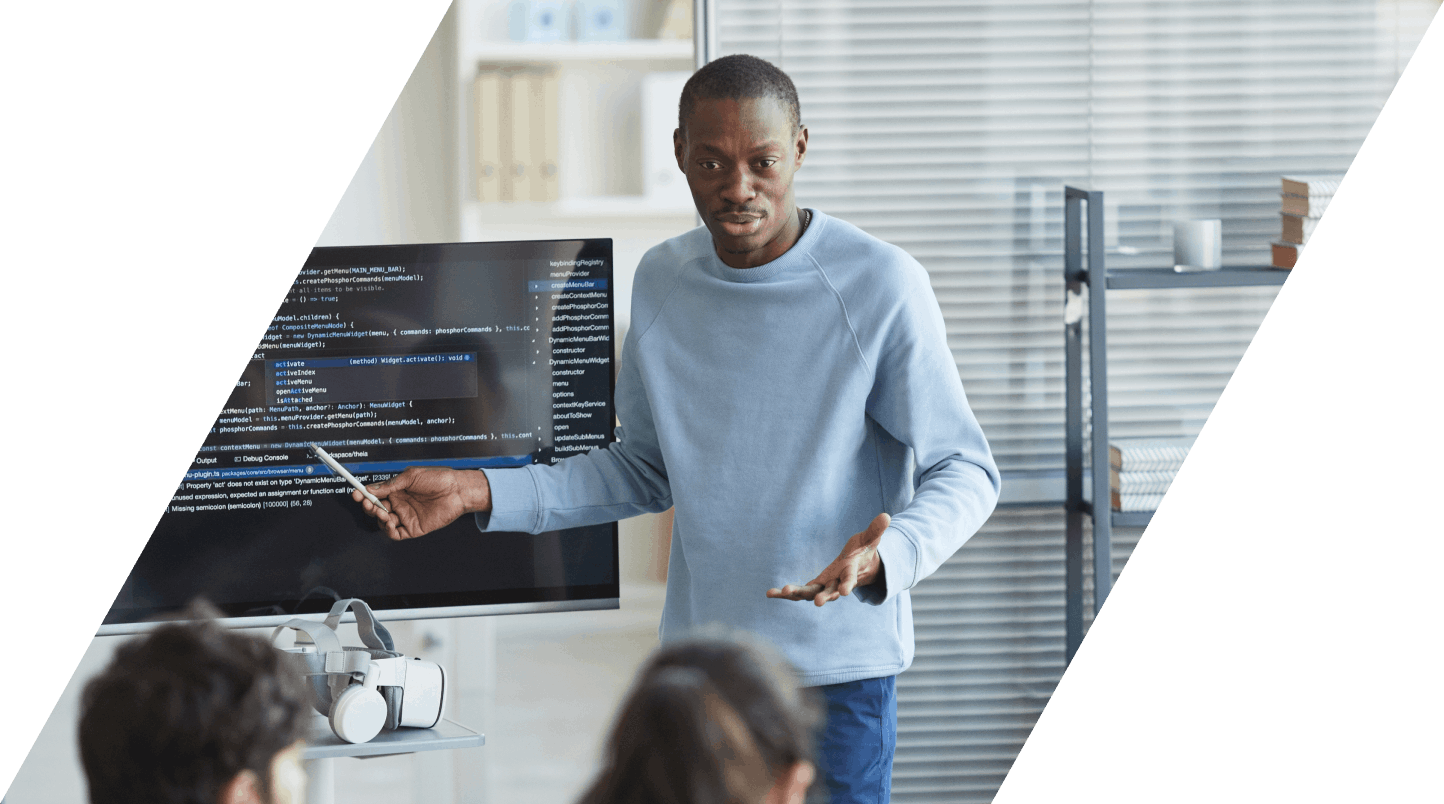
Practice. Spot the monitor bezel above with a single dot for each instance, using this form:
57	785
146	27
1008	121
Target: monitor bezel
437	613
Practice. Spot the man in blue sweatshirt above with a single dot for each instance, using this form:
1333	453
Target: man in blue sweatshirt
787	387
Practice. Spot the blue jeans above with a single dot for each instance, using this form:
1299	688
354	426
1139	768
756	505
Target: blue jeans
855	760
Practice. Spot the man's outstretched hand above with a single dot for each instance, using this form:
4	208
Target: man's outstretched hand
858	565
423	499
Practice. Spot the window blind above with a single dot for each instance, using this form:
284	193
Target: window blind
949	129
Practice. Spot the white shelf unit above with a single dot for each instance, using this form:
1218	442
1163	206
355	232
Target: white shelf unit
614	207
599	117
600	149
632	50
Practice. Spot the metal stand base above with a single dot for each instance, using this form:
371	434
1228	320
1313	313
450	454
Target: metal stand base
320	781
324	748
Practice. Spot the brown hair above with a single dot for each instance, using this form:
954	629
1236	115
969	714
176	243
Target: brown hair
712	720
178	713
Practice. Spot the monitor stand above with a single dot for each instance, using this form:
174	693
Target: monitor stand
323	749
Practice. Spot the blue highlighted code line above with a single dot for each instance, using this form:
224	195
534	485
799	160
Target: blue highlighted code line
379	360
319	469
560	285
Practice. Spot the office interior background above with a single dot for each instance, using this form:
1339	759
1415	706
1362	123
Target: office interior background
949	129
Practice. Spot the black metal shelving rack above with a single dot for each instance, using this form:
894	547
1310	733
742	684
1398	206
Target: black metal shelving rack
1076	276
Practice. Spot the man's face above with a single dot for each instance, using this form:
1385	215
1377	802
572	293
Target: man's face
739	157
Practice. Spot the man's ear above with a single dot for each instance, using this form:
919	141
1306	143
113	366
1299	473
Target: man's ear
245	788
679	147
801	145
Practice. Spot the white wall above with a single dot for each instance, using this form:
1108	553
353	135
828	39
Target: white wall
405	191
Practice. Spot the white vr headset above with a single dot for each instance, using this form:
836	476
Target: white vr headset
362	690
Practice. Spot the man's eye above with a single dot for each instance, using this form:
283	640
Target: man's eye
767	163
710	165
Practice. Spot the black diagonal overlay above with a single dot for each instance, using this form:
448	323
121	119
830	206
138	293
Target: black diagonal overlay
1226	661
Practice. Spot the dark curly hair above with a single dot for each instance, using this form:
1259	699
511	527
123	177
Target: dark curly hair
179	712
737	77
710	720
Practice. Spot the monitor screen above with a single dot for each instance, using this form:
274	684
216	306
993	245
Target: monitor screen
466	355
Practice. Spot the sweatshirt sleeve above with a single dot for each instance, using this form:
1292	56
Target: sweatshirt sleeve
623	479
918	399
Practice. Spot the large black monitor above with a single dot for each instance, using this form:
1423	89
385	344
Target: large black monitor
466	355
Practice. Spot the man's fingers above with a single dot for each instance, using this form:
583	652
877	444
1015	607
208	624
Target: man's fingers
395	482
401	531
388	523
841	576
369	507
805	591
384	487
828	593
875	528
795	592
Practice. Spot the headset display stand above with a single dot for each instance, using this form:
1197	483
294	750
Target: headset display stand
323	749
424	702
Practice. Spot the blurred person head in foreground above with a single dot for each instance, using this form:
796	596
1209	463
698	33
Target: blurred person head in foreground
715	719
193	713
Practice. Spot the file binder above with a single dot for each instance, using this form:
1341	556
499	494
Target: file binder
488	135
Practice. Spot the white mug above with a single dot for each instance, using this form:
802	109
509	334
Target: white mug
1198	244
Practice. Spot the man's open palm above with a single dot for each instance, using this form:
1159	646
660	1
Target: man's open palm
857	565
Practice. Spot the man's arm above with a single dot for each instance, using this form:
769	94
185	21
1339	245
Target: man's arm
624	479
918	399
603	485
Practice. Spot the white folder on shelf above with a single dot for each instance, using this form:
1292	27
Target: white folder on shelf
488	135
516	136
545	143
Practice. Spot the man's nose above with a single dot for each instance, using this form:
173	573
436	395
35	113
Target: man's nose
737	189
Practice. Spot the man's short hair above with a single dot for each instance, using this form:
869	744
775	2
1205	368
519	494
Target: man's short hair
737	77
178	713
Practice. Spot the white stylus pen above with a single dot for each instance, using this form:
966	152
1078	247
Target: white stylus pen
350	478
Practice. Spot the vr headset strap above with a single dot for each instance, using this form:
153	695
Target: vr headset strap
373	634
329	662
322	636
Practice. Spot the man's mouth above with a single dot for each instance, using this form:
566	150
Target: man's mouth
738	222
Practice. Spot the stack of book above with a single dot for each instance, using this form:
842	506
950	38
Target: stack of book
1141	469
516	133
1302	203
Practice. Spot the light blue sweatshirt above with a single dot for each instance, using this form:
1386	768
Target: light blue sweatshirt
779	409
